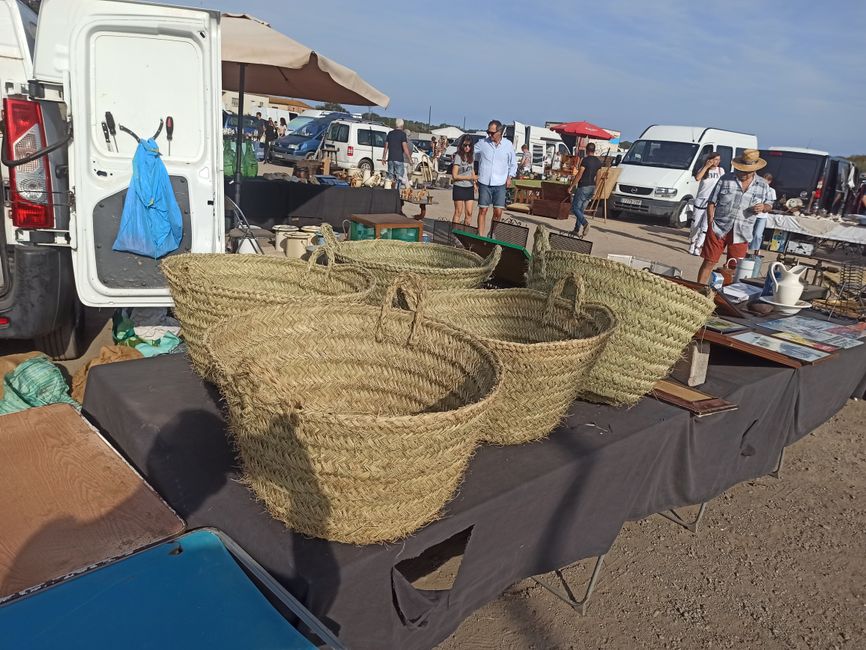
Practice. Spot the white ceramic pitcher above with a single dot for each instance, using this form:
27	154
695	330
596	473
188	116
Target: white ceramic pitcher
788	290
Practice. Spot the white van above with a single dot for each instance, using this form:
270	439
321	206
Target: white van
657	177
352	143
141	63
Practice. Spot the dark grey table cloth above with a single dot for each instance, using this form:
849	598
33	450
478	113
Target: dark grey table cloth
526	509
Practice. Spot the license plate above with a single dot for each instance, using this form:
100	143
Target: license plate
631	201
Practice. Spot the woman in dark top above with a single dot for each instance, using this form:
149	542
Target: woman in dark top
465	182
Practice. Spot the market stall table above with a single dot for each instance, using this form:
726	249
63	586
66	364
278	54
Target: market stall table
269	202
524	510
821	229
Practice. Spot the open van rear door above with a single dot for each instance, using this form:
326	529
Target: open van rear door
140	63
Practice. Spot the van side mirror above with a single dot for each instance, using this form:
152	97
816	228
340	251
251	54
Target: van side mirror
617	160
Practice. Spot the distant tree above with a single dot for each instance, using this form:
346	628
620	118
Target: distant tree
625	144
332	106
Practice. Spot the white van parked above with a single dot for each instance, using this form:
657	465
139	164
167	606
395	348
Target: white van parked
657	177
361	144
67	178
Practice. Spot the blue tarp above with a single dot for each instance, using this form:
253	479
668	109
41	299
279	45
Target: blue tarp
188	593
151	223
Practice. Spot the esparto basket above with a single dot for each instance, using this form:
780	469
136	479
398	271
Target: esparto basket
439	266
657	319
207	288
546	345
354	423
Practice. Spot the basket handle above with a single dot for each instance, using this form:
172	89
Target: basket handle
492	260
328	235
556	292
540	245
414	291
541	241
317	252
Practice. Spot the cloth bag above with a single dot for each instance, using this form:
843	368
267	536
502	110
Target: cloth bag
151	223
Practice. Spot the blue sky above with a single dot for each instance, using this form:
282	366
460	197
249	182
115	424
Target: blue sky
790	71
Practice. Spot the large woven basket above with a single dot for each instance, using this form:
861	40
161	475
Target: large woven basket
354	423
657	319
546	346
207	288
440	267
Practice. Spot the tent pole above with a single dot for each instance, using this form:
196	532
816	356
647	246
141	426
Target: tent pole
239	136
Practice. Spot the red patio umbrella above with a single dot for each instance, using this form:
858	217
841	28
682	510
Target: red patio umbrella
582	130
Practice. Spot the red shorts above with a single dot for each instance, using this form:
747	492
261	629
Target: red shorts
714	246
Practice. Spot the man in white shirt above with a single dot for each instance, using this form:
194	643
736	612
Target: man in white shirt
497	164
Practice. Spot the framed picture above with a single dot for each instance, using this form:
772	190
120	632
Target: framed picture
793	350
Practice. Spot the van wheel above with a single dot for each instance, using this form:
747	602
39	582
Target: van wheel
367	164
310	156
678	214
66	341
614	214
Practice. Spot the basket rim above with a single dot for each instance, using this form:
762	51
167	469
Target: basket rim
344	253
638	274
367	419
454	297
200	283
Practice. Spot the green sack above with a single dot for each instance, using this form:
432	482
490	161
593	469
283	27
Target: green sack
35	382
228	158
250	167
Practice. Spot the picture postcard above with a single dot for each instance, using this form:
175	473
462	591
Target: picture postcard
802	340
724	326
812	329
799	352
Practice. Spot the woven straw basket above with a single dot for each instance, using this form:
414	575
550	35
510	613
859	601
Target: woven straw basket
440	267
657	319
546	347
354	423
207	288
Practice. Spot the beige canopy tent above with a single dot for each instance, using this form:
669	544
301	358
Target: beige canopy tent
257	58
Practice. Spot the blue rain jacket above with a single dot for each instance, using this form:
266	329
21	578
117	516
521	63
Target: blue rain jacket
151	223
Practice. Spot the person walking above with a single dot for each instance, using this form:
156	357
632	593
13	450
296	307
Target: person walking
497	165
582	188
708	175
732	209
525	160
270	137
396	153
465	182
761	219
282	128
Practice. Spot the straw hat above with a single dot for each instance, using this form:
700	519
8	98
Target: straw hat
749	161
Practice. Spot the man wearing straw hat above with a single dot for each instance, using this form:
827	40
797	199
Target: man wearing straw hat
734	205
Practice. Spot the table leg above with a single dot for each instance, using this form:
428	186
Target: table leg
691	526
423	214
565	593
777	473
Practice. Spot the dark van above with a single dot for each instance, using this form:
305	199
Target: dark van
816	177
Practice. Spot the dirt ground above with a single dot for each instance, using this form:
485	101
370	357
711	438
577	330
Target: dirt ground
776	563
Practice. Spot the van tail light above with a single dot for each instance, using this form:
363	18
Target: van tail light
350	151
818	190
30	183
